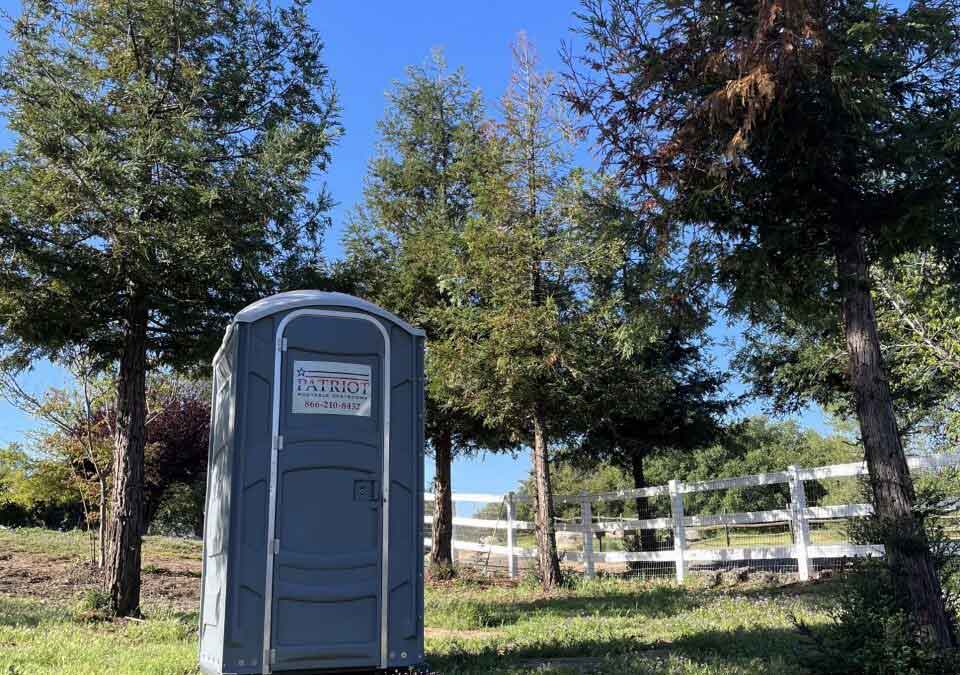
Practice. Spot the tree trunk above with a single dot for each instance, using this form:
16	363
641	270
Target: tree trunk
102	523
646	539
441	552
546	534
907	548
126	522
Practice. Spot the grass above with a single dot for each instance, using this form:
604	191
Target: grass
44	638
747	537
77	543
601	626
629	626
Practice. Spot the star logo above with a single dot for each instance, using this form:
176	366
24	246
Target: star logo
301	372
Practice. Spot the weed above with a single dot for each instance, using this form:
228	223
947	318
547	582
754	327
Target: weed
92	605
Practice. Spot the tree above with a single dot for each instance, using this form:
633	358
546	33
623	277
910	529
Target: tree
648	382
417	199
918	317
759	445
73	447
38	491
658	401
75	438
808	142
159	182
517	313
177	442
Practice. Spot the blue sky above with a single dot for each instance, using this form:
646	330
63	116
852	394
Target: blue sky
368	46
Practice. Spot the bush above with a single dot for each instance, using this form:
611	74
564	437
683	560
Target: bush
871	633
180	513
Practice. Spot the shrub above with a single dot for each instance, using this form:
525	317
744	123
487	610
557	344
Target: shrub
871	633
93	605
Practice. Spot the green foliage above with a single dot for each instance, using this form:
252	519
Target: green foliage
92	605
38	491
871	634
180	510
419	191
918	310
648	384
419	194
782	132
754	445
759	445
161	166
518	317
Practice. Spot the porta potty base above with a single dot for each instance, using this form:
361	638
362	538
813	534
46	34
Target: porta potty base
415	669
313	543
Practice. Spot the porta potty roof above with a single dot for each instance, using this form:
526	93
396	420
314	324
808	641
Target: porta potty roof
282	302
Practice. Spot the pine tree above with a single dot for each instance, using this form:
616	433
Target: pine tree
158	183
649	384
418	197
517	316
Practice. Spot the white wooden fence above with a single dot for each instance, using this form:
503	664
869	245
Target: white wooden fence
797	516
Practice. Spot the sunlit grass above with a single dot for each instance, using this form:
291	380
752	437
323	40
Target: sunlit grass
79	544
601	626
628	626
43	639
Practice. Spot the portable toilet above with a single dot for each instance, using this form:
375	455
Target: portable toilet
313	537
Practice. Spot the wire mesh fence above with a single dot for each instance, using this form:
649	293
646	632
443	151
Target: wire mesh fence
800	521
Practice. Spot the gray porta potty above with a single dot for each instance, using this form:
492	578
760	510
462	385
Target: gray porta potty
316	441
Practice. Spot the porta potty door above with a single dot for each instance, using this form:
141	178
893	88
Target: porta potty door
327	513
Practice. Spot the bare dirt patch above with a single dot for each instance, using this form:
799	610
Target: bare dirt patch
173	583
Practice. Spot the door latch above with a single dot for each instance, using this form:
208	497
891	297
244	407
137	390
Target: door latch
365	491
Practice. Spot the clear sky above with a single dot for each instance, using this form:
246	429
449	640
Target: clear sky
368	46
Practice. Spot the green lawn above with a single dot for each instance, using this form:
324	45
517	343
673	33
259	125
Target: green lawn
603	626
77	543
40	638
629	626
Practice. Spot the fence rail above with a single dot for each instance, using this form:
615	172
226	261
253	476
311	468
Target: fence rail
796	516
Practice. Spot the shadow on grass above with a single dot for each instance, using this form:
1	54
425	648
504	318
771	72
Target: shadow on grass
819	590
715	647
648	603
22	612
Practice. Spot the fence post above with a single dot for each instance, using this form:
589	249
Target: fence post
511	565
801	528
679	531
586	524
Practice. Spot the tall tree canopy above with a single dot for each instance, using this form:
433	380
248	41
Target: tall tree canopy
159	181
809	141
520	309
648	381
419	195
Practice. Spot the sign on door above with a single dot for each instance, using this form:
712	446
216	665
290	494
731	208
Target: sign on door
331	388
